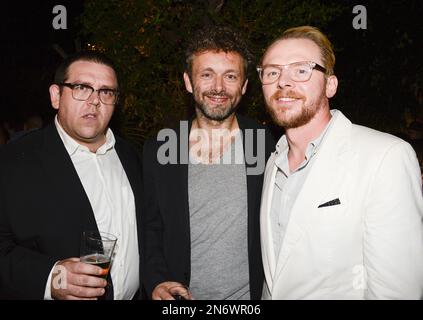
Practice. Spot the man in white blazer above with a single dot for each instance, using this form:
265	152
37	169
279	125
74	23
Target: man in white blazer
342	206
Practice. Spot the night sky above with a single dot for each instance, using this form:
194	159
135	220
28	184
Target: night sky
28	58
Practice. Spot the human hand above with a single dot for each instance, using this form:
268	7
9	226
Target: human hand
75	280
171	290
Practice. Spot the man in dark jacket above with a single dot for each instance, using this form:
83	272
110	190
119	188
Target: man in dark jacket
203	183
70	177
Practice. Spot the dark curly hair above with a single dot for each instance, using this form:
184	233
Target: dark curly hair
217	38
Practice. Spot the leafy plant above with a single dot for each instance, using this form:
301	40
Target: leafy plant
147	38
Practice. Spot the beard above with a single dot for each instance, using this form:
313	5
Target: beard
289	117
218	112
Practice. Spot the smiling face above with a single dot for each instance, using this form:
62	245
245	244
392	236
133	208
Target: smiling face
85	121
217	83
293	104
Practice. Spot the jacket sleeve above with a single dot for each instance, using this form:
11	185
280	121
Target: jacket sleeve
154	270
23	270
393	239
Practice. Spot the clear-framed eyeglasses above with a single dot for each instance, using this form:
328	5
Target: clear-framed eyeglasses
83	92
297	71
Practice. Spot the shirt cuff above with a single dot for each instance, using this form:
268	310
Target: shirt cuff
47	291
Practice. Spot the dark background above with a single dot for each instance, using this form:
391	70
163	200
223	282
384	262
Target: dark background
28	57
379	69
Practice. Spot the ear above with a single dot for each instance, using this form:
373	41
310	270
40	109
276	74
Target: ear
55	96
331	86
244	87
188	84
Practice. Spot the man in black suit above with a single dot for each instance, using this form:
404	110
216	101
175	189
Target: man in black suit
203	184
72	176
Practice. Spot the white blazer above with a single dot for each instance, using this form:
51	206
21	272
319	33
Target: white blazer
370	246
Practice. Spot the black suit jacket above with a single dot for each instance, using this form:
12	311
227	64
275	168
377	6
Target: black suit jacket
166	234
44	209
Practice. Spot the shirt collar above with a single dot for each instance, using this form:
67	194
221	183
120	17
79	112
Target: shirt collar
72	146
282	146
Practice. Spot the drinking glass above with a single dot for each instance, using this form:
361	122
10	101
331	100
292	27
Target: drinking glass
97	249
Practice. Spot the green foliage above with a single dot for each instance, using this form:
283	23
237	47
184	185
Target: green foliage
147	38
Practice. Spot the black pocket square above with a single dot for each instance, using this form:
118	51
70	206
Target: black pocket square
333	202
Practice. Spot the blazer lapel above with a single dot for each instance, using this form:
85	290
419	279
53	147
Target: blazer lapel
324	181
180	176
253	182
68	198
180	200
133	171
268	251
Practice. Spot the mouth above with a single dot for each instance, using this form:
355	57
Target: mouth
286	99
217	99
286	102
90	116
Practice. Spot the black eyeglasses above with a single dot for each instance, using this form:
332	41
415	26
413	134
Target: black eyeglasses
83	92
297	71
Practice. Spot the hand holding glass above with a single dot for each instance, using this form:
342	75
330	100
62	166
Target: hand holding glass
97	249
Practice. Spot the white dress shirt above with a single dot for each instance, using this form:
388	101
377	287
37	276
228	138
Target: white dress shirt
112	200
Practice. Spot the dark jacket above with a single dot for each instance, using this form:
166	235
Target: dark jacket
44	209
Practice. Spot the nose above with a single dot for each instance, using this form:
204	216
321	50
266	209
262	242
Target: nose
94	99
218	83
284	80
